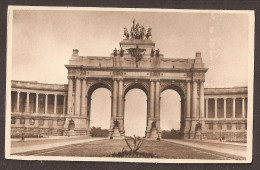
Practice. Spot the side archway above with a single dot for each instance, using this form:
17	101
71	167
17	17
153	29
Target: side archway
98	101
176	91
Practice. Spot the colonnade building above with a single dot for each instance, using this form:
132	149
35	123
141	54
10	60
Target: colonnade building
206	113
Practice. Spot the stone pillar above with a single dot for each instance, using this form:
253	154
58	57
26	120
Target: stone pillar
83	97
27	102
120	98
64	104
46	103
207	108
188	101
77	97
120	107
187	116
114	101
157	100
234	108
69	100
216	108
55	104
18	102
151	114
225	107
194	100
157	107
243	107
202	99
37	103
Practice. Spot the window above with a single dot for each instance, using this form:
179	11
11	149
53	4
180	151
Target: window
22	121
219	126
41	121
32	121
210	126
60	122
13	120
229	126
50	122
238	126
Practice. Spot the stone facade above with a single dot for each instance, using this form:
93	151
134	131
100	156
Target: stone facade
47	109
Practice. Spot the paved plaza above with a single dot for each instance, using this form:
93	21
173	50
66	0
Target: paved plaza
100	147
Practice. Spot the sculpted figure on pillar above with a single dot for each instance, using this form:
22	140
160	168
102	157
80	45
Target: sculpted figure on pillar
154	124
116	123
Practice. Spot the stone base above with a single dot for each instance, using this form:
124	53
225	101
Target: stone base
116	134
153	134
186	135
70	133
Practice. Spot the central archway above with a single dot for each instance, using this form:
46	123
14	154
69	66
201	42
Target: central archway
135	110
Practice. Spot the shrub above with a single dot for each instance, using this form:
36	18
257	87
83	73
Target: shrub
98	132
171	134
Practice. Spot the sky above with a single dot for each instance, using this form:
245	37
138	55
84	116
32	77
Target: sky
43	41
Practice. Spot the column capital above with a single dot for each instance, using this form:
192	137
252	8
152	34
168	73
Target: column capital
78	77
201	80
188	81
155	80
117	79
83	78
70	77
46	94
195	81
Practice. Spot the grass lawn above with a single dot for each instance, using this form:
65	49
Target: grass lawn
105	148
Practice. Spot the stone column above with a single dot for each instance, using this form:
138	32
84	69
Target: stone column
157	100
18	102
151	114
64	104
37	103
120	98
188	101
194	100
114	101
207	108
27	102
234	108
243	107
77	97
55	104
225	107
216	108
83	97
46	103
70	91
120	107
202	99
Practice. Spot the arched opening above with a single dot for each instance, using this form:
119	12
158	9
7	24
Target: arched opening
99	110
135	111
172	112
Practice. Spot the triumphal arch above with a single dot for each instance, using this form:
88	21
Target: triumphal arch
39	109
138	63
